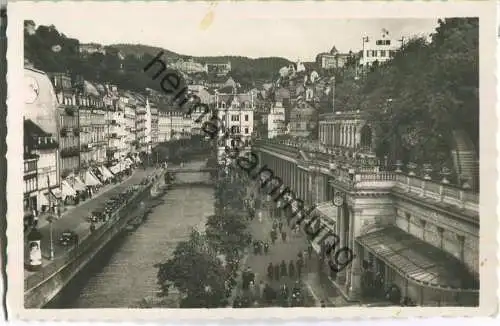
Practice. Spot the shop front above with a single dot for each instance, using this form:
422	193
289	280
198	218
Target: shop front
403	269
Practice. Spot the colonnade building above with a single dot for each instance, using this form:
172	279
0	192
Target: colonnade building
420	235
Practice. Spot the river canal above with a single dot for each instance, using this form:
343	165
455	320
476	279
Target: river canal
124	273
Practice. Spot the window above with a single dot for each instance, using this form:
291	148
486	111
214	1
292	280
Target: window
235	117
383	53
246	130
246	117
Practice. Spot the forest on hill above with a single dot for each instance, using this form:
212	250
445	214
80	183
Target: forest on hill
52	51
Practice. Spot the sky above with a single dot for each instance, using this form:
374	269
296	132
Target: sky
204	29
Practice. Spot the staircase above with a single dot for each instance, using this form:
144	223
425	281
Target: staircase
465	158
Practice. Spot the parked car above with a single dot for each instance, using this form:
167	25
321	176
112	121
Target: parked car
68	238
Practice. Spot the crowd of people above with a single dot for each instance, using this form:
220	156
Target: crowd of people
283	283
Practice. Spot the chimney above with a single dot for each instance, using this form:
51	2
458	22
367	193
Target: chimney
332	92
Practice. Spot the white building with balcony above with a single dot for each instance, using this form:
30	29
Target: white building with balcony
236	113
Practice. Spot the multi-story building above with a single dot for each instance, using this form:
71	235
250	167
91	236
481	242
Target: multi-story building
140	123
219	69
303	120
41	131
276	125
331	60
127	103
236	113
154	124
30	199
380	49
69	133
181	125
44	146
164	126
93	129
117	148
148	126
91	48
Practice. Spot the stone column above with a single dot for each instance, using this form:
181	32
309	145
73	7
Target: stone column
311	196
341	275
355	284
341	135
354	136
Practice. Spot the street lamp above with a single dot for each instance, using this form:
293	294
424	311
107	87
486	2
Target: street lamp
51	219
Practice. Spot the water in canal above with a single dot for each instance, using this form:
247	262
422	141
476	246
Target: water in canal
124	272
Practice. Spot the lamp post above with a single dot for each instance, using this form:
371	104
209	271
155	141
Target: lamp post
50	219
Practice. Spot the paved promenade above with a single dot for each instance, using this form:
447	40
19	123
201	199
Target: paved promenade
75	219
317	290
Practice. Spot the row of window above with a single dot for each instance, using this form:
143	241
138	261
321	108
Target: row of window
30	166
30	185
380	53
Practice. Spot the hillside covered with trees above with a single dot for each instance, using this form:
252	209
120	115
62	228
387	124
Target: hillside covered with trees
122	64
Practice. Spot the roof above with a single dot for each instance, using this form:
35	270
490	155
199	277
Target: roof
41	102
31	129
228	98
417	260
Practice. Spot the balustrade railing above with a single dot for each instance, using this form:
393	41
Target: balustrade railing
363	172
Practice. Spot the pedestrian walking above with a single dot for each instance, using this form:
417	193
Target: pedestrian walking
283	236
266	248
280	225
309	251
300	265
291	269
277	272
274	236
260	216
283	271
270	270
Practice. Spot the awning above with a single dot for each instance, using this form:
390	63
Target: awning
115	169
91	180
106	172
328	212
53	195
103	174
78	184
417	260
67	190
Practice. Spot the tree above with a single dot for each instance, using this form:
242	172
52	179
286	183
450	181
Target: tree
226	233
427	91
196	272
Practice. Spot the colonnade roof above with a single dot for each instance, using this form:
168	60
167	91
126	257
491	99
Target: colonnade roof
417	260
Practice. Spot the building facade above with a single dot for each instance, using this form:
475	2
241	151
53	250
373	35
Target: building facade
69	128
380	49
140	123
126	103
276	125
303	119
164	126
154	124
394	222
236	113
41	119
